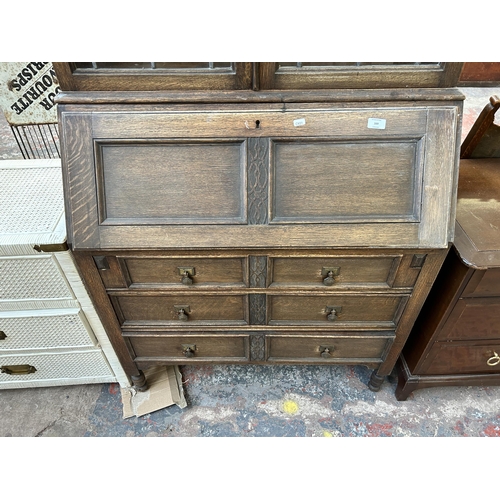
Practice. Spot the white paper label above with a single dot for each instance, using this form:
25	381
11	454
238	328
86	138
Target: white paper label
376	123
299	122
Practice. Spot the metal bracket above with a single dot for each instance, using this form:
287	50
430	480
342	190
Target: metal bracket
190	270
56	247
335	271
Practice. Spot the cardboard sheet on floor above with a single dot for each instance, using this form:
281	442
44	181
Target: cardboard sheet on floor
165	389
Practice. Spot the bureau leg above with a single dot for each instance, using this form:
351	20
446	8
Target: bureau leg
375	382
140	382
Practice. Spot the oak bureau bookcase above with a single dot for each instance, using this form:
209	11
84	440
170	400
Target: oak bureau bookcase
259	212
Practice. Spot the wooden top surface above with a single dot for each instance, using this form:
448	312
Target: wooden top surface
478	212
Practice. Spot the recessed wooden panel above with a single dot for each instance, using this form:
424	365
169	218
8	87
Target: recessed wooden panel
166	271
223	309
309	348
475	318
352	271
317	181
314	309
489	284
193	183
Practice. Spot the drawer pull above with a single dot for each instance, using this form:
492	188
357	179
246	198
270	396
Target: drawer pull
326	351
181	312
187	274
332	312
189	350
3	336
18	369
330	273
494	360
186	280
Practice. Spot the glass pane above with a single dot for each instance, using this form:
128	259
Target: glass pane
153	65
289	65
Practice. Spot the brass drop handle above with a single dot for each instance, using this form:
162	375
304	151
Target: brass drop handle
187	274
189	350
186	280
17	369
333	312
329	274
326	351
494	360
182	315
329	280
3	336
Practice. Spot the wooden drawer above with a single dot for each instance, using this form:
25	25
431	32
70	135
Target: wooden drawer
484	284
473	318
158	272
334	272
345	348
336	310
462	357
181	310
184	348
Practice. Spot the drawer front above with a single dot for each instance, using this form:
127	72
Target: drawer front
488	284
190	348
333	272
455	358
336	310
182	272
182	310
56	367
329	349
32	278
44	330
473	318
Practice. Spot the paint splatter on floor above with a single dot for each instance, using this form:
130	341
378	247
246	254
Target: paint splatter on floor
302	401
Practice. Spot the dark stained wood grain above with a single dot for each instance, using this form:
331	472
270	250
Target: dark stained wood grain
70	78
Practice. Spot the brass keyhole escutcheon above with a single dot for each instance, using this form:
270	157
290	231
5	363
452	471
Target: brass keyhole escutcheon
493	360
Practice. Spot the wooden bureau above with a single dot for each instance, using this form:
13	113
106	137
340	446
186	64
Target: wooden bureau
258	226
456	338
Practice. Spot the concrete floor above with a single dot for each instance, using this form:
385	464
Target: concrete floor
259	401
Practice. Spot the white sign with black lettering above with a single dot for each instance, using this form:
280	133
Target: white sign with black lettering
27	92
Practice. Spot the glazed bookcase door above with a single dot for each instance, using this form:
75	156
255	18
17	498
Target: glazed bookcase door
357	75
137	76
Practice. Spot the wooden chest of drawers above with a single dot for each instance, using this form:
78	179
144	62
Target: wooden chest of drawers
260	227
456	339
